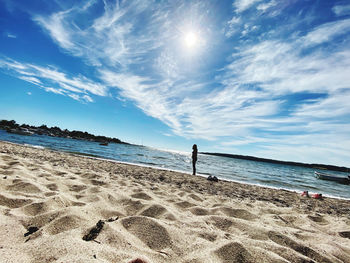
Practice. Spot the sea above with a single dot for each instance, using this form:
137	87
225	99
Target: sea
278	176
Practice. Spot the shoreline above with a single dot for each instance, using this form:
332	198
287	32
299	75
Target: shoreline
248	187
173	170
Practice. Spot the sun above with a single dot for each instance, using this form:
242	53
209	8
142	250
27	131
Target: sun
190	39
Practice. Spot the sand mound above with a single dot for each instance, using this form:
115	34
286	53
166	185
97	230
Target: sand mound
154	235
63	224
238	213
36	208
234	252
154	211
304	250
24	187
13	202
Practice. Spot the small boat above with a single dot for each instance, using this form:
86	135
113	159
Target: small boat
330	177
104	143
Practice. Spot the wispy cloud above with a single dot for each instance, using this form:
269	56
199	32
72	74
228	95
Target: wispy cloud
52	80
341	10
265	6
9	35
242	5
327	32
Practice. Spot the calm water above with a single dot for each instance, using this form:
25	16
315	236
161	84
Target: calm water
252	172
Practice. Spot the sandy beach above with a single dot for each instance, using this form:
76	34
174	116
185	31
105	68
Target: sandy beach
59	207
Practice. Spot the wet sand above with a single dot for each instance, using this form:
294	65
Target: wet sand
59	207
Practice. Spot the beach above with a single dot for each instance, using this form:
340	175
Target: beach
50	201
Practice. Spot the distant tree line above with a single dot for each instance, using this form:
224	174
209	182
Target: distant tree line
13	127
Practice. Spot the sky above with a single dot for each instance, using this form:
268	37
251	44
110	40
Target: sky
267	78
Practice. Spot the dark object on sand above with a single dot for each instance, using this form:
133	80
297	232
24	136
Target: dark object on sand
94	231
138	260
194	158
112	219
31	230
345	234
330	177
212	178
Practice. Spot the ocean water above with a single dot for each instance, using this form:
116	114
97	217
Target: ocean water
252	172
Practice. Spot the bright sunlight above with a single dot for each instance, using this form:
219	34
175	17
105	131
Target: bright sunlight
190	39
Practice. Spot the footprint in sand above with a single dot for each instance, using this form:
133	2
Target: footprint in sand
13	163
41	220
154	211
304	250
318	219
238	213
62	224
36	209
184	204
24	187
77	188
208	236
234	252
221	223
60	173
195	197
98	182
198	211
13	202
132	207
52	187
7	171
154	235
48	194
142	195
106	214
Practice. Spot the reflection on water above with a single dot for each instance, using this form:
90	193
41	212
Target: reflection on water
252	172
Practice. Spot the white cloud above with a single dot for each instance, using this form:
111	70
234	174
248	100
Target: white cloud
327	32
341	10
30	79
9	35
233	26
87	98
110	39
242	5
52	80
265	6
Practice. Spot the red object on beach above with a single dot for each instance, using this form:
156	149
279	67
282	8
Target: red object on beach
305	193
317	196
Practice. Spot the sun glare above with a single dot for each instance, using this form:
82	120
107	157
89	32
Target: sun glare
190	39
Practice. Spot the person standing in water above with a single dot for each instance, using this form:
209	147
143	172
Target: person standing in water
194	158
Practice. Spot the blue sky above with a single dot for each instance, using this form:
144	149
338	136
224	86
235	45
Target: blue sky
254	77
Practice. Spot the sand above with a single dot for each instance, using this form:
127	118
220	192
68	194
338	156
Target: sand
59	207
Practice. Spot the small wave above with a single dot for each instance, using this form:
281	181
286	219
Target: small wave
149	163
160	157
34	146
